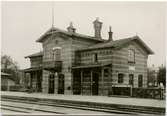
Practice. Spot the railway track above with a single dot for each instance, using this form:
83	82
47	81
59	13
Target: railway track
27	109
84	106
56	105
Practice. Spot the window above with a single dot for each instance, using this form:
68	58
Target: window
57	54
131	76
56	41
131	56
95	58
120	78
140	81
106	72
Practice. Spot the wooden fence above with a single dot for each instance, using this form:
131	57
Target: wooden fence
153	93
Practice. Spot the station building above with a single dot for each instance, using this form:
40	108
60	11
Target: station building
73	63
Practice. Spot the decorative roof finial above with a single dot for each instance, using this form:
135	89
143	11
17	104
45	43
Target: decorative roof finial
97	18
136	33
71	28
110	29
71	24
110	33
52	14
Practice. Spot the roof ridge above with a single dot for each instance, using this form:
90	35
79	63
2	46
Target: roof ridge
72	33
117	44
69	33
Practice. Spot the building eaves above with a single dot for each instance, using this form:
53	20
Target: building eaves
117	44
35	55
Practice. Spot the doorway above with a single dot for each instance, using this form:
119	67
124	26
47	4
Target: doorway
95	85
61	84
77	82
51	83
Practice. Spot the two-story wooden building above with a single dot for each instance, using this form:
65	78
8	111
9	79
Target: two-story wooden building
73	63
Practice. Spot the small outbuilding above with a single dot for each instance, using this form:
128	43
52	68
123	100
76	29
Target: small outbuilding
6	81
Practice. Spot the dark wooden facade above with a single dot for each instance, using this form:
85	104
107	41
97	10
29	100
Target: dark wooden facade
73	63
35	72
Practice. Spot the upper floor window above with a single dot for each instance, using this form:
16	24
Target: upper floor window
131	76
131	56
56	41
140	80
57	54
106	72
120	78
95	58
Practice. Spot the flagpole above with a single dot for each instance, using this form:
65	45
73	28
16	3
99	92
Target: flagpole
52	14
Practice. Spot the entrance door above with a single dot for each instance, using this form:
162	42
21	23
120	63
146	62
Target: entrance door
95	79
61	84
77	82
39	81
51	83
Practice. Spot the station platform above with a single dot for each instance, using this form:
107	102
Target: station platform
92	99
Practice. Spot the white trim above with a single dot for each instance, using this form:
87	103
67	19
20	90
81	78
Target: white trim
54	48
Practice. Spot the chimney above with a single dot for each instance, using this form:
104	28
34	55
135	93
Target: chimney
71	29
110	34
97	27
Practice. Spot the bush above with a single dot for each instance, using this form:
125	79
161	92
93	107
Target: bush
4	88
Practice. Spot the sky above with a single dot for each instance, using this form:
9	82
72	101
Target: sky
22	23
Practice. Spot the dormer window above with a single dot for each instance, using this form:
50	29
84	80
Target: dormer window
131	56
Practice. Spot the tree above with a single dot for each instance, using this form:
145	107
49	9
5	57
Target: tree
8	65
162	75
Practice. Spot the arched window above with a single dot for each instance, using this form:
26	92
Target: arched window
57	54
131	56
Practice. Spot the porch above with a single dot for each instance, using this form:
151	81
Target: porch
35	78
93	79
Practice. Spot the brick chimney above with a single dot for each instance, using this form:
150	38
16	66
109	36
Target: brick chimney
71	29
97	28
110	33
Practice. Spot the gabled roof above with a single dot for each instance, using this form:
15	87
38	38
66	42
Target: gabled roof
35	55
118	44
57	30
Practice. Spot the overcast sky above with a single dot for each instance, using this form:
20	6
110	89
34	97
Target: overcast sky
24	22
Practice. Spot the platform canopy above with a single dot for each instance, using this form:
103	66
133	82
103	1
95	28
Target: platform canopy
91	65
33	69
